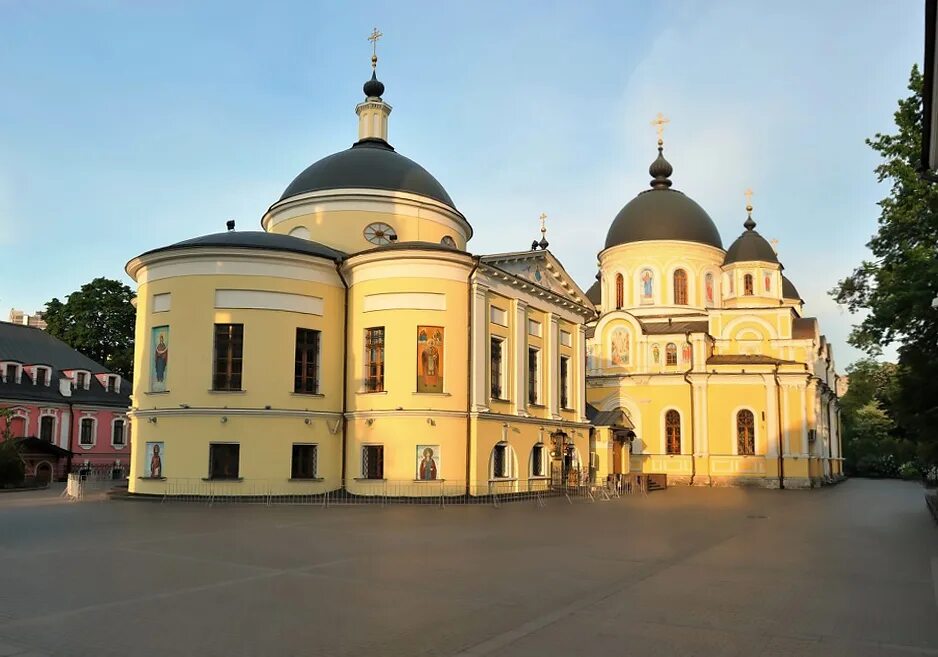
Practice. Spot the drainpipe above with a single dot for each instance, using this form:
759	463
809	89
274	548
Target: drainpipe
469	378
693	460
778	415
345	339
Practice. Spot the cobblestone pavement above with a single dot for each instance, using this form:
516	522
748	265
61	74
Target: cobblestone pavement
849	570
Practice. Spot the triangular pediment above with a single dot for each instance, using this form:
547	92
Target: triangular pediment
540	268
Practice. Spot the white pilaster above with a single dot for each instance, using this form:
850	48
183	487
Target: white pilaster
519	320
552	365
579	361
771	417
804	420
703	412
480	358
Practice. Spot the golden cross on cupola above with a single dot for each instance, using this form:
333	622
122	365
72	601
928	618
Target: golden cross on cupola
543	223
748	195
373	37
659	123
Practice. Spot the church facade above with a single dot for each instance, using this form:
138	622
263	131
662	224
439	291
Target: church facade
355	345
701	365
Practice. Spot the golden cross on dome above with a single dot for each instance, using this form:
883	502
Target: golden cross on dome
373	37
774	244
543	223
748	195
659	124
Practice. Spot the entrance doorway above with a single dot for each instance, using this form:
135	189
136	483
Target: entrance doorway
43	473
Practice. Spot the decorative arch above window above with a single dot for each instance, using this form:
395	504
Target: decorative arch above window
680	287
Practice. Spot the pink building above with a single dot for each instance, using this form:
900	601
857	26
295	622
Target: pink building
69	412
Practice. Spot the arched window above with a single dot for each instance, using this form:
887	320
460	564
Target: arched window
680	287
620	292
745	433
670	354
672	432
747	285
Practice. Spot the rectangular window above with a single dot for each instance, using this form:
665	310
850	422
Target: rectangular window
87	431
47	428
81	380
306	372
117	437
500	468
496	364
304	462
112	384
537	460
42	376
533	376
229	349
224	460
374	359
10	374
564	382
373	462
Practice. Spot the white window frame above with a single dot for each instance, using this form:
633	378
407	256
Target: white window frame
114	421
48	412
117	382
363	475
567	389
87	374
48	371
503	375
510	462
94	431
19	371
315	463
545	474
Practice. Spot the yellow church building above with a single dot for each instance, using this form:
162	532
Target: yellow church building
701	366
355	345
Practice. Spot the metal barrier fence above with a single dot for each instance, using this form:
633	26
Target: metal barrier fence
79	485
386	492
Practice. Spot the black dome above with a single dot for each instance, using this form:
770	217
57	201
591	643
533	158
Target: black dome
789	291
749	247
255	239
663	214
368	164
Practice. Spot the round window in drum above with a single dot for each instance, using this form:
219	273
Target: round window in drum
380	234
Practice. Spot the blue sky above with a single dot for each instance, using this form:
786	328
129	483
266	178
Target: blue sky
126	125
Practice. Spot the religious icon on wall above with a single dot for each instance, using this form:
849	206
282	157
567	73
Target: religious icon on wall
655	353
619	347
687	353
708	287
153	461
768	282
428	462
648	285
160	356
429	359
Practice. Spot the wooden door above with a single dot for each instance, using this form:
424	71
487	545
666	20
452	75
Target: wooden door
616	457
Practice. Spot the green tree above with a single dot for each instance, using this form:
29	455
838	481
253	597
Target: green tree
97	320
12	468
896	287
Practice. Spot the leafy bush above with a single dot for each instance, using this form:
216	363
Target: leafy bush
877	466
910	470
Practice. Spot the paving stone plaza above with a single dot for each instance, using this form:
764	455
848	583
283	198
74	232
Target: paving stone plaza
847	570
